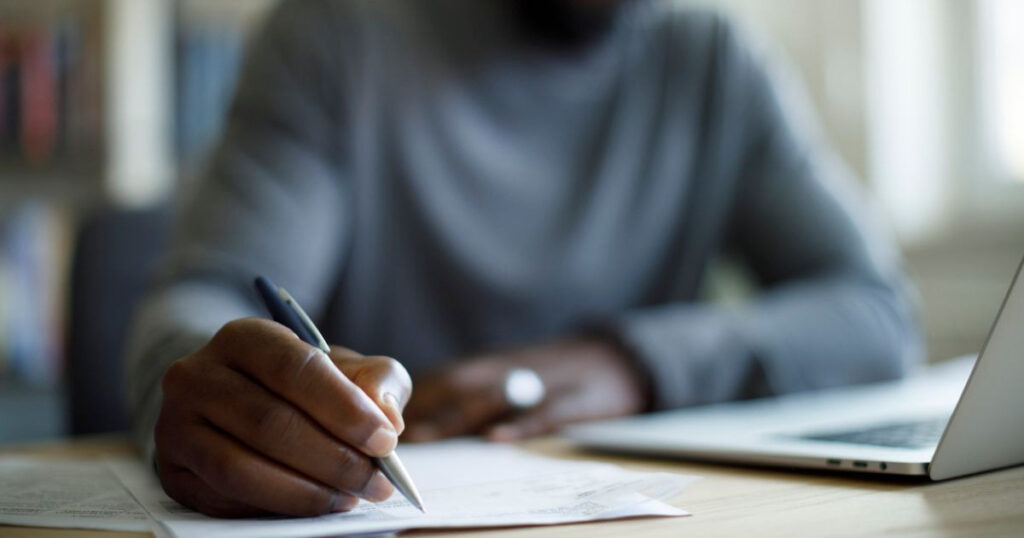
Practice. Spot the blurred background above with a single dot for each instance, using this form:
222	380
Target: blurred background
108	106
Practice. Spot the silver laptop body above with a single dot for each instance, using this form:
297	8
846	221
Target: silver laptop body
952	420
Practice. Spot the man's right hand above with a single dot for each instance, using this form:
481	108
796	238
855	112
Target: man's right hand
258	422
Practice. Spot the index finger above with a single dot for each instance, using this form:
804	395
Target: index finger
273	356
383	379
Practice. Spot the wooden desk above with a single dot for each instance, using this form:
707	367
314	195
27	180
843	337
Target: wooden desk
732	501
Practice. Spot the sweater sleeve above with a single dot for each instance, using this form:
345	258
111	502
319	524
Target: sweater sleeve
271	202
832	306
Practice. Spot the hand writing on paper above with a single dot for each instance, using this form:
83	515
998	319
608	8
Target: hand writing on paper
258	421
584	380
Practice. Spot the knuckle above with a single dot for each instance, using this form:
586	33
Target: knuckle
394	370
384	361
277	424
354	471
388	364
175	376
318	501
236	332
230	331
244	325
219	468
299	369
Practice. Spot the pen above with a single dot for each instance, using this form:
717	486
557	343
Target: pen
284	310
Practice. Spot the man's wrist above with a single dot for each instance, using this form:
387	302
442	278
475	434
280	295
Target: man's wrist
608	342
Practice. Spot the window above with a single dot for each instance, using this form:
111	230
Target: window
1001	86
945	115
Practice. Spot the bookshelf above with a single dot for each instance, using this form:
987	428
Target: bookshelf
50	99
103	104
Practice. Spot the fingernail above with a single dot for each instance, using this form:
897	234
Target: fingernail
378	489
382	442
391	402
342	502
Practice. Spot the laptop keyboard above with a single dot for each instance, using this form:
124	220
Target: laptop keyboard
919	434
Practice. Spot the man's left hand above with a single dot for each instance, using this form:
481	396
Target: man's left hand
584	379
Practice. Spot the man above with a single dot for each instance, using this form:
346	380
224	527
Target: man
473	187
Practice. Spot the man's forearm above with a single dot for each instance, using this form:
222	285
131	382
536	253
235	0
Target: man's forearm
806	335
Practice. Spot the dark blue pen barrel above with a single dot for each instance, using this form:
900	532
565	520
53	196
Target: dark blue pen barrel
279	311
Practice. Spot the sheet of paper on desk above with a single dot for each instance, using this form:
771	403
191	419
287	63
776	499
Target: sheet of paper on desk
46	493
464	484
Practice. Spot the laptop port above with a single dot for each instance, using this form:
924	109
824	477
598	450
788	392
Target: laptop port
834	462
860	464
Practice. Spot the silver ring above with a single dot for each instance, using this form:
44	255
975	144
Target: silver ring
523	388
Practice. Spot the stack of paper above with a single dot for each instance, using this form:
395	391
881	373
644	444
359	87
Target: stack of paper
46	493
463	484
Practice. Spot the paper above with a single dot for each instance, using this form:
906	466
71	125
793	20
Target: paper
46	493
463	484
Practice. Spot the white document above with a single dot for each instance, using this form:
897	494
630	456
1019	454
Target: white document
48	493
463	484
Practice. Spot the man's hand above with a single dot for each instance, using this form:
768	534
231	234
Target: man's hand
258	421
584	380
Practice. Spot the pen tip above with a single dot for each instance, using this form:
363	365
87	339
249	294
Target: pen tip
418	503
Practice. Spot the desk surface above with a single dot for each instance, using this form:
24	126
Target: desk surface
732	501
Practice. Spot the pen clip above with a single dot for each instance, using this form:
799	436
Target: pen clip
306	322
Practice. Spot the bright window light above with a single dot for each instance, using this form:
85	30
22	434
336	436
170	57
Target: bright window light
1002	79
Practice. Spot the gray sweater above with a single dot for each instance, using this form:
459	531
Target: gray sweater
430	183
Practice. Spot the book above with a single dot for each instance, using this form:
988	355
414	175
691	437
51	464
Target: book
49	92
34	248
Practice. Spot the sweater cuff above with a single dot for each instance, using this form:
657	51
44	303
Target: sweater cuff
149	399
690	354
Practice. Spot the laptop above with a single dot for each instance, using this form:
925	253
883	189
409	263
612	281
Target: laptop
954	419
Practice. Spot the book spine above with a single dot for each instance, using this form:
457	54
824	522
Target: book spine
38	96
49	91
33	267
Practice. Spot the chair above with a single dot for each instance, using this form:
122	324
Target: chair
115	253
